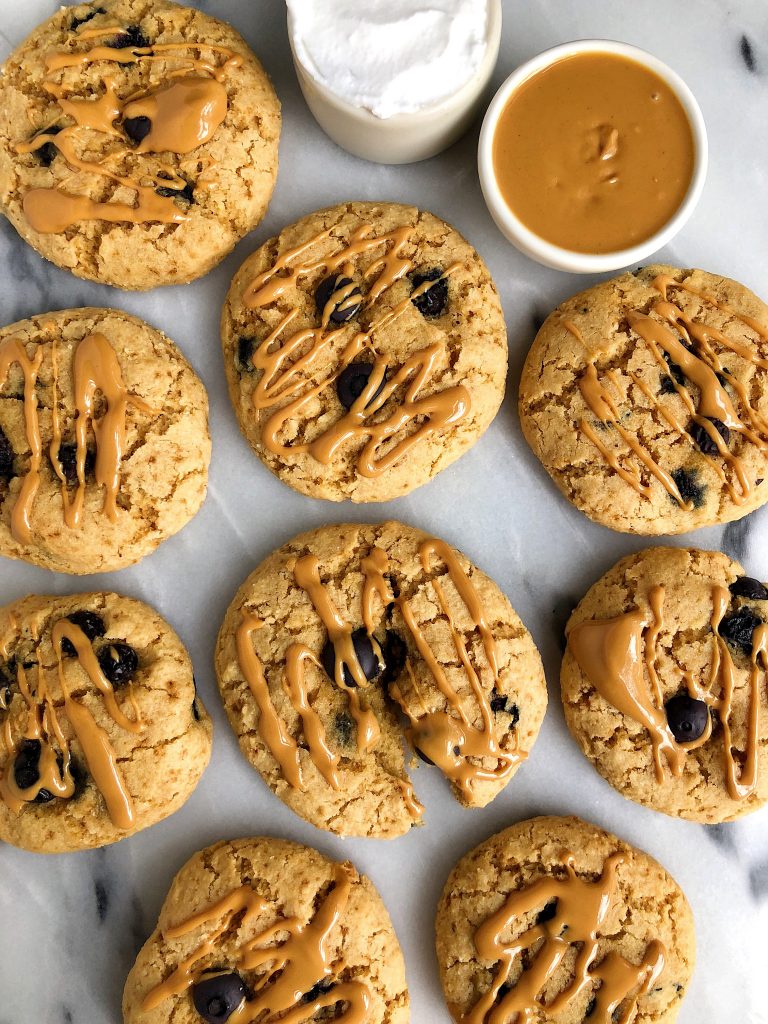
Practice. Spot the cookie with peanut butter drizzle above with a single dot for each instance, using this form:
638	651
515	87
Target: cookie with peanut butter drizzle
138	141
365	350
101	731
267	930
665	683
349	636
646	400
555	920
104	444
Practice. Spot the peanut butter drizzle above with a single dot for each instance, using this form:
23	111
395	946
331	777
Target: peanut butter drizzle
290	968
185	114
277	383
43	725
13	351
581	911
323	757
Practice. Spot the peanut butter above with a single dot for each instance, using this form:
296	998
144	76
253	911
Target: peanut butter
594	153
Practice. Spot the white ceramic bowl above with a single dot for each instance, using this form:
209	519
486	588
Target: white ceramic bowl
566	259
403	138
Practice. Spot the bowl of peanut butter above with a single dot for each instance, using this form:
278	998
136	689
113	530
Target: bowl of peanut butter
592	156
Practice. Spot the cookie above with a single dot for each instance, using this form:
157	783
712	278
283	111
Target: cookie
101	732
556	920
349	633
104	444
138	141
665	683
646	400
312	936
365	350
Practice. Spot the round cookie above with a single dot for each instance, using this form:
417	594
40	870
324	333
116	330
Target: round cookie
349	633
104	444
101	731
312	934
555	920
664	683
646	400
138	141
365	350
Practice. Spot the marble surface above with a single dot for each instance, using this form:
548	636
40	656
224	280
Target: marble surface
70	926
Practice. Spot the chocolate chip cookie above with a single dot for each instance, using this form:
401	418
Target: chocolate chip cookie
349	633
365	350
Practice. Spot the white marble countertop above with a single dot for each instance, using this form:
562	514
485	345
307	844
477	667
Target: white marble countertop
71	925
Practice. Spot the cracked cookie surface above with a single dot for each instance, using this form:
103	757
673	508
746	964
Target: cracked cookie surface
676	619
507	888
101	730
327	935
438	651
645	399
191	199
365	350
132	392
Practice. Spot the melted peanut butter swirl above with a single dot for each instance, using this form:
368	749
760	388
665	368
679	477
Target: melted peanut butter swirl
581	912
618	656
95	370
183	115
285	358
286	968
460	739
43	725
697	349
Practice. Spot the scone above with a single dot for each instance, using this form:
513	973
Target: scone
555	920
102	733
645	399
104	444
665	683
264	929
365	350
138	141
349	633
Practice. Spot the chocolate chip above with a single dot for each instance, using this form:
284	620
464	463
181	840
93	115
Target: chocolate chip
118	662
738	629
344	728
132	37
750	588
6	456
345	308
394	652
353	380
245	349
26	771
217	998
674	371
185	193
366	657
46	153
433	301
318	990
68	462
689	489
77	22
503	705
687	717
547	913
137	128
702	439
90	623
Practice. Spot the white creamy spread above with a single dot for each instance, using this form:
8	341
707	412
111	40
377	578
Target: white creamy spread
390	56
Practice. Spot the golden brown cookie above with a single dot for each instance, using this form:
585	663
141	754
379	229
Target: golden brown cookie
645	399
104	444
138	141
555	921
665	682
348	633
102	732
365	350
264	929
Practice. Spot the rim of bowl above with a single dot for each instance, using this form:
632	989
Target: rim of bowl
484	70
534	245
